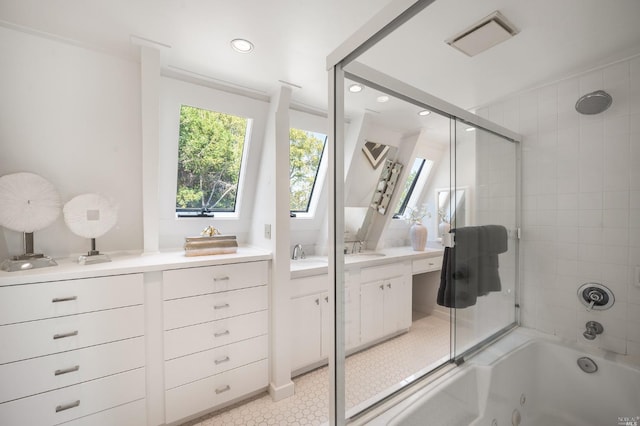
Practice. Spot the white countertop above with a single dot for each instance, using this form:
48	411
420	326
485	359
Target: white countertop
128	263
318	265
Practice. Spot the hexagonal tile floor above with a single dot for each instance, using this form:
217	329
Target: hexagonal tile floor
368	374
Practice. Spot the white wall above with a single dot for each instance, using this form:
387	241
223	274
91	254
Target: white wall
581	203
72	116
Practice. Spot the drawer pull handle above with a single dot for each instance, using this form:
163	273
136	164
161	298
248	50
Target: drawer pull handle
224	305
389	285
64	299
67	406
66	370
317	301
223	389
63	335
382	287
222	333
221	279
220	361
326	299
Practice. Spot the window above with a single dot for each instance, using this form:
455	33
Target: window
419	172
305	153
210	150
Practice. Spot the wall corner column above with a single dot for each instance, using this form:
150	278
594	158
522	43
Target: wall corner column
150	105
281	385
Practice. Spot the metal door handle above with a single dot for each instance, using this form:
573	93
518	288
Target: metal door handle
63	299
220	361
66	370
63	407
63	335
223	389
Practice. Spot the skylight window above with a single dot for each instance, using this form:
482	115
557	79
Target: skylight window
210	150
305	153
417	177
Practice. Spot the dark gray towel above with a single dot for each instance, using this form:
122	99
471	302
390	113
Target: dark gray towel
470	268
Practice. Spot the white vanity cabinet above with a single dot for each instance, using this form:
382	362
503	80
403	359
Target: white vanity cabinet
73	351
312	316
310	330
311	321
216	327
385	301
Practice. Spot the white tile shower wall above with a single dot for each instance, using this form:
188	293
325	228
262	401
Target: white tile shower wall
581	203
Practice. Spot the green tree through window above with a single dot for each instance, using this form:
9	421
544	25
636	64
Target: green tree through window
305	153
210	150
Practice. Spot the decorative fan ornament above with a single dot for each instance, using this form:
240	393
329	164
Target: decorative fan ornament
28	202
90	216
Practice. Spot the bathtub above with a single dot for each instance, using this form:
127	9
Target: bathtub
527	379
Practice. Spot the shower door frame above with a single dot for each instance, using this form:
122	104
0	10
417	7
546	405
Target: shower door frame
341	64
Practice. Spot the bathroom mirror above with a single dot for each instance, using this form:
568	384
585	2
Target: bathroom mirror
452	207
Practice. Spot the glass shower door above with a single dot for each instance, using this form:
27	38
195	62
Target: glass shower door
479	281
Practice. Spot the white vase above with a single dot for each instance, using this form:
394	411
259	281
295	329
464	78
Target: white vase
418	235
444	228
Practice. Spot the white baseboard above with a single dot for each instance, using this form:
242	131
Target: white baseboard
282	392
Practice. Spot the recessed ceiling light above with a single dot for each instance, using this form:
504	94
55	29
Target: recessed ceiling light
356	88
241	45
382	99
469	129
424	112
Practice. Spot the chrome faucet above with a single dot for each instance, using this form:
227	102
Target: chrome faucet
298	253
593	329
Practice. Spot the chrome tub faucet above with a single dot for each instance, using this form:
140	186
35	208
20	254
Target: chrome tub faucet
593	329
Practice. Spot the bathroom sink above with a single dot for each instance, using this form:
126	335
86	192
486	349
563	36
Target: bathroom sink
366	254
309	262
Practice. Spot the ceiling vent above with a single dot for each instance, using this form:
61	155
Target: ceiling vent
484	34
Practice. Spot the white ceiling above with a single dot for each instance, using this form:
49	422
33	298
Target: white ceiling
293	38
557	38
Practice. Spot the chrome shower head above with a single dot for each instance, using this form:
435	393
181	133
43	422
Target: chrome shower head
594	102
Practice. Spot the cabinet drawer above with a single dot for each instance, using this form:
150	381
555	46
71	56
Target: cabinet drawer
207	393
427	264
210	307
309	285
196	338
197	366
52	408
54	299
381	272
211	279
131	414
44	337
68	368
